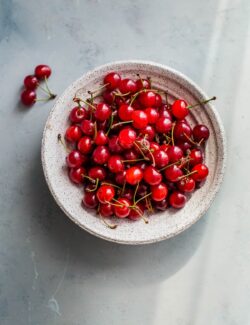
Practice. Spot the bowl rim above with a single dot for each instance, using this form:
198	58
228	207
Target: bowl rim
222	161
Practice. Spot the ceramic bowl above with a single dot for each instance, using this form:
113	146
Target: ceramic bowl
162	225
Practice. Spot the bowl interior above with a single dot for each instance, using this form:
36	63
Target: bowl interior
161	225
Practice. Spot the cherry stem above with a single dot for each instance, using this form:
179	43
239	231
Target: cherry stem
121	95
184	176
172	134
120	123
59	138
135	192
96	185
111	124
133	160
110	225
146	158
191	140
95	130
203	102
76	99
175	163
91	92
51	95
149	205
142	198
144	90
89	178
123	187
105	183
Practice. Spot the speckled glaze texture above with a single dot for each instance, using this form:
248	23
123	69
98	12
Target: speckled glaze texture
161	225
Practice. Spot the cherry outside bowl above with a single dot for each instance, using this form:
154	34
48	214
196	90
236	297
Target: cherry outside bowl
162	225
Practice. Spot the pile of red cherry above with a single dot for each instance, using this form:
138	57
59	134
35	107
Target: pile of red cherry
32	82
132	150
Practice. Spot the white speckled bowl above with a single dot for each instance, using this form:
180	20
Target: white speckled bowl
161	225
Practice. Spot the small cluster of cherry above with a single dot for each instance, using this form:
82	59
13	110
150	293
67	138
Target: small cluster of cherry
32	82
132	150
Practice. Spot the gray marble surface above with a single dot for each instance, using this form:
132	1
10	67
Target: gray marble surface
51	272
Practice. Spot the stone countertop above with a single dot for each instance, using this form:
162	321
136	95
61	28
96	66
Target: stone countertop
52	272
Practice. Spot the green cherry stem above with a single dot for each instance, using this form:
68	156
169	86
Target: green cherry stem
203	102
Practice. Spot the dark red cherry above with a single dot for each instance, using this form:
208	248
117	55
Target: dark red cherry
115	164
136	213
174	153
90	200
112	80
182	131
140	119
142	84
74	159
97	172
88	127
102	112
85	145
200	132
76	174
147	98
196	157
161	158
163	125
106	210
173	173
186	184
149	132
73	133
30	82
114	145
122	208
101	155
127	86
159	192
108	97
101	138
78	114
152	115
127	138
177	200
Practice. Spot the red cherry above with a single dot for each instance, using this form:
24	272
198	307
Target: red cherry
154	146
163	125
105	193
162	205
201	172
127	138
158	100
186	184
30	82
128	193
140	119
159	192
177	200
115	164
76	174
90	200
184	146
179	109
125	112
152	115
120	178
101	138
134	175
88	127
97	172
165	111
42	71
147	98
161	158
142	189
108	96
196	157
28	97
131	154
122	208
85	145
114	145
74	159
102	125
182	131
164	147
102	112
106	210
142	84
200	132
173	173
73	133
137	213
152	176
78	114
174	153
127	86
112	80
149	132
101	155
